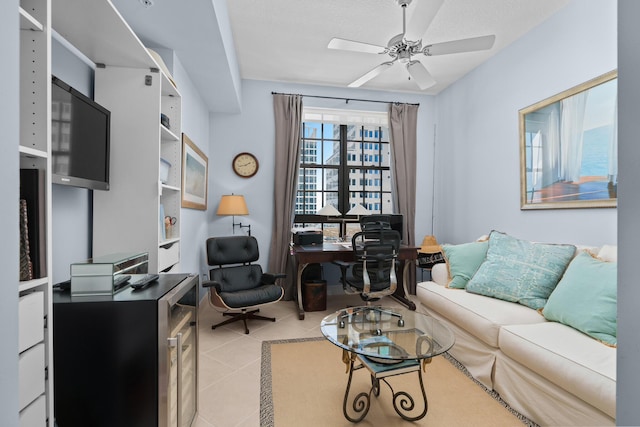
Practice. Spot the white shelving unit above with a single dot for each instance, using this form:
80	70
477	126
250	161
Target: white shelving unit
127	217
35	327
128	82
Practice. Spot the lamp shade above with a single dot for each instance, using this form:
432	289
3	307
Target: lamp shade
358	210
329	210
232	205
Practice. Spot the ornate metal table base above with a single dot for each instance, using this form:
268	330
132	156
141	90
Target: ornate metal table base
403	403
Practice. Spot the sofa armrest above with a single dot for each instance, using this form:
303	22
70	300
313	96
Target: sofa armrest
440	274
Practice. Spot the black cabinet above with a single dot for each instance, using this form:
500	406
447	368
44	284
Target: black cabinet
117	361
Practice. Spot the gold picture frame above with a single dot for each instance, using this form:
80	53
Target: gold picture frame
568	148
195	172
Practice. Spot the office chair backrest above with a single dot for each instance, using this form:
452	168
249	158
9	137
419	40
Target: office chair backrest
376	252
375	222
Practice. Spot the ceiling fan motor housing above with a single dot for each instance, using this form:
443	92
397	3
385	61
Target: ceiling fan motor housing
403	3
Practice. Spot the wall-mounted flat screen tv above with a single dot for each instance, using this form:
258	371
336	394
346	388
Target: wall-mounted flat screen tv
80	138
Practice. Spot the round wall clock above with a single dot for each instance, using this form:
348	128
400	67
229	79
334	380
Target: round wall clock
245	165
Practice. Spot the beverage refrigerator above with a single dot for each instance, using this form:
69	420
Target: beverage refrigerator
130	359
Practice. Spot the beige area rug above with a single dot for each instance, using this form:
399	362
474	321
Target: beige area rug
303	383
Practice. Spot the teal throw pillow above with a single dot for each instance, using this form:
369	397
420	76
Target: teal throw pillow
463	261
520	271
586	298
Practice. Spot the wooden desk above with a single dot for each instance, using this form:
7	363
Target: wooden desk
329	252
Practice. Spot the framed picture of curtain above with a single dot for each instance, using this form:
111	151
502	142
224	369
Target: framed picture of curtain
195	167
569	148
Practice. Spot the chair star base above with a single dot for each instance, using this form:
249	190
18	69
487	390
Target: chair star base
244	316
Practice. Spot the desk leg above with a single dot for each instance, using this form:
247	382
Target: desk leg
402	294
301	268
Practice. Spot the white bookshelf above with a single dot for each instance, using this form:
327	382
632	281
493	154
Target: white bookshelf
35	320
128	82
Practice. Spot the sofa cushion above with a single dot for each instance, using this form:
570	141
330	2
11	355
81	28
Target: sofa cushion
463	261
440	274
608	253
586	298
566	357
520	271
479	315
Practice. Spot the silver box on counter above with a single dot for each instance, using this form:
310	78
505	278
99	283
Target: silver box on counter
97	275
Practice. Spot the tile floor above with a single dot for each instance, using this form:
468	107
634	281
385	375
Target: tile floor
229	364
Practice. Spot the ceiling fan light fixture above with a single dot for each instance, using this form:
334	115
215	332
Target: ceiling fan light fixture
404	56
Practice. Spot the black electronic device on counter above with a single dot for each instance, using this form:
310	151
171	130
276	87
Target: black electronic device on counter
309	237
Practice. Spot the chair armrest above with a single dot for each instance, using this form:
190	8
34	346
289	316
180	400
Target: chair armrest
270	278
212	284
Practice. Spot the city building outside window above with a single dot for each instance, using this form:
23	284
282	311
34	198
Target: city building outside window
344	162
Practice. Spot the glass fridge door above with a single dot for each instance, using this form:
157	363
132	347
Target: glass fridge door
183	356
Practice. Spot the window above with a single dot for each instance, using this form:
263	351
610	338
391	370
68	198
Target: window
345	161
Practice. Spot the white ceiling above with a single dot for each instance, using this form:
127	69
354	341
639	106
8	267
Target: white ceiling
286	40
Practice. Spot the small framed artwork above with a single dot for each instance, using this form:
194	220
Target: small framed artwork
195	169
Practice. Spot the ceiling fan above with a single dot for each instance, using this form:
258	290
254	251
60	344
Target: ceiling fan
402	47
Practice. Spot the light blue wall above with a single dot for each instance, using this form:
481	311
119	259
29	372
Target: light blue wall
9	185
477	143
253	130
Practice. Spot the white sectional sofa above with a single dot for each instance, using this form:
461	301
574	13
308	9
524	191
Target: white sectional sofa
546	370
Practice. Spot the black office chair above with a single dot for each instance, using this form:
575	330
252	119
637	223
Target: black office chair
373	273
237	287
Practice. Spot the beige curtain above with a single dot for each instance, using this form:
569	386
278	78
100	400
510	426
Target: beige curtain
402	128
288	116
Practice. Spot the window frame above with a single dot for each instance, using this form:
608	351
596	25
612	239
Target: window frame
345	170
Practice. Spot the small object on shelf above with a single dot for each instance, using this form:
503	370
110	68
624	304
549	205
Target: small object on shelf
144	281
164	170
169	222
101	275
26	268
120	282
164	120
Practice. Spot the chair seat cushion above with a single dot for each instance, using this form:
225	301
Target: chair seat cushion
246	298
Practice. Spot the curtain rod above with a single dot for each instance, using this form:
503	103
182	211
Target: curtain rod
343	99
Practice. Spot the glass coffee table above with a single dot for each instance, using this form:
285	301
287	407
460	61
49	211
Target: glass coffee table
386	342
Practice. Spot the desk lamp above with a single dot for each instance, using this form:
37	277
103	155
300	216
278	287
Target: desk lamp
358	210
330	210
232	205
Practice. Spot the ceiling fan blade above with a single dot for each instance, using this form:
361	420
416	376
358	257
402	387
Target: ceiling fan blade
423	14
459	46
420	74
371	74
344	44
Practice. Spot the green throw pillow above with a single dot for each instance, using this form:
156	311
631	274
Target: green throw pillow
463	261
586	298
520	271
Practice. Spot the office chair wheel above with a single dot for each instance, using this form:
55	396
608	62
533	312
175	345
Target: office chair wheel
401	322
